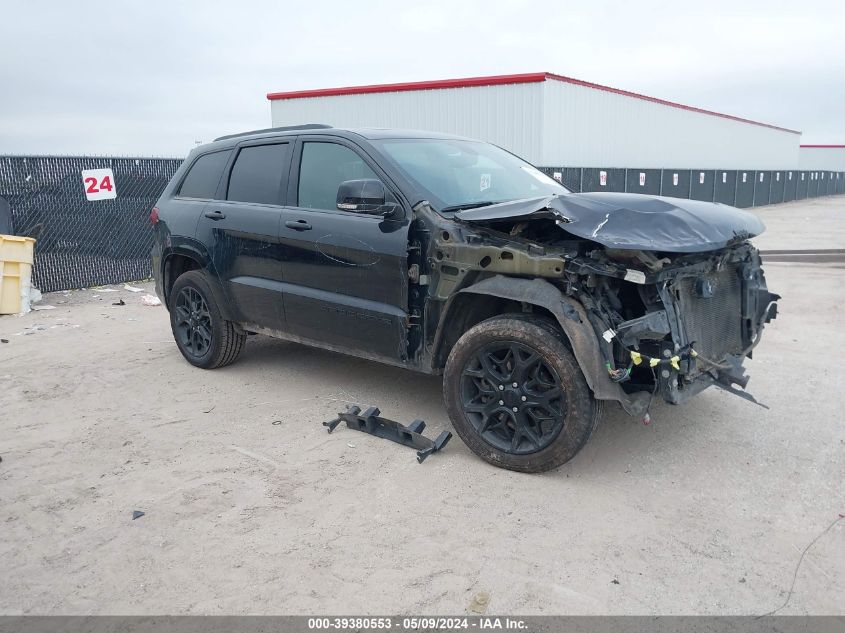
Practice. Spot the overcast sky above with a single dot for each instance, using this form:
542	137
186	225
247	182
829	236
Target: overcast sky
151	78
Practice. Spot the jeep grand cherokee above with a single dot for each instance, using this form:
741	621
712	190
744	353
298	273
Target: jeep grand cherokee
452	256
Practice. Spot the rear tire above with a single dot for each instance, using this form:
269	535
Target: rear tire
204	337
516	395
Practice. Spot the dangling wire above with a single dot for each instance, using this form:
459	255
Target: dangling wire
647	415
619	375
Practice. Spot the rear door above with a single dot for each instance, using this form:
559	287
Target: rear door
242	229
345	273
200	184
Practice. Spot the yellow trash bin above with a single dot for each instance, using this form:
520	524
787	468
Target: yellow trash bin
16	257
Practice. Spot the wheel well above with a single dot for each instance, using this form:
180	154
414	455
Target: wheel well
468	310
174	267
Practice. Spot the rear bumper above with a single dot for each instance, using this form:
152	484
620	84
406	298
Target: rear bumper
155	257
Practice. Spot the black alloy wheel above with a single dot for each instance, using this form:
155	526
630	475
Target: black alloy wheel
516	395
513	398
193	322
205	338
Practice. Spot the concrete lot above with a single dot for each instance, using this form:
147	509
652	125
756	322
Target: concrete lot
252	508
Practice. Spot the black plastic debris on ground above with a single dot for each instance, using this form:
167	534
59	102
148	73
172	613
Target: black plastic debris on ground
137	514
411	435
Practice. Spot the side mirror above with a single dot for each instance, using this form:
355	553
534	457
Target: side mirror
363	196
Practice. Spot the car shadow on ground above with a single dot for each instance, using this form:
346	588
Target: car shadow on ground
618	440
333	370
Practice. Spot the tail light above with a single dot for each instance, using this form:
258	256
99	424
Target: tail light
154	216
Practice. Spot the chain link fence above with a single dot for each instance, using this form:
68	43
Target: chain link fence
84	242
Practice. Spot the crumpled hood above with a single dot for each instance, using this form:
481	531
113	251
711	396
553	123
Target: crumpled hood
632	221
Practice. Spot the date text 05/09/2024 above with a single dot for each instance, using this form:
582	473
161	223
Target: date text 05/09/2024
416	623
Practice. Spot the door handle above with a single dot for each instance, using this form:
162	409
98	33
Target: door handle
298	225
215	215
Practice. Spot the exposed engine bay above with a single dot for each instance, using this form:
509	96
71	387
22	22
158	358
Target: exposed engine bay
672	290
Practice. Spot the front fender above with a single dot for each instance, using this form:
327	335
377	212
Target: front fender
572	318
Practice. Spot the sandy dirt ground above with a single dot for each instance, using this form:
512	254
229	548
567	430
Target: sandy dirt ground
251	507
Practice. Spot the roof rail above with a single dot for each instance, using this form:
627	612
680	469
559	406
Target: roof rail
307	126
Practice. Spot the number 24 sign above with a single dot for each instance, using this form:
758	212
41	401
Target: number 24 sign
99	184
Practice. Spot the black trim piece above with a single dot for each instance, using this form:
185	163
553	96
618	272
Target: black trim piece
331	298
269	130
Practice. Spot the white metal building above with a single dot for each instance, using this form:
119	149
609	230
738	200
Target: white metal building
552	120
823	157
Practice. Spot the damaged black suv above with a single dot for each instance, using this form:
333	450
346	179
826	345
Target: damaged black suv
447	255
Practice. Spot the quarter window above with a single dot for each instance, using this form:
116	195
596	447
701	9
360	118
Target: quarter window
204	176
258	174
323	167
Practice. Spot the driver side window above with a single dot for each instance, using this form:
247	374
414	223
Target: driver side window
322	168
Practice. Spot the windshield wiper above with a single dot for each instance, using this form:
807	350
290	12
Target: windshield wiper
468	205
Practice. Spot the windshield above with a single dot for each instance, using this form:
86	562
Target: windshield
457	174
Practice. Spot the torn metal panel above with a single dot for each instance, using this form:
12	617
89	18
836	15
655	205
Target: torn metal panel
632	221
612	303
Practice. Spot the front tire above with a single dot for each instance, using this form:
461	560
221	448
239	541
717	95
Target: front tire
516	395
204	337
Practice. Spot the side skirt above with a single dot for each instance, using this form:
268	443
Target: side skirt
279	334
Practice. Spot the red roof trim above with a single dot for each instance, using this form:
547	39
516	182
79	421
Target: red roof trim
825	146
468	82
498	80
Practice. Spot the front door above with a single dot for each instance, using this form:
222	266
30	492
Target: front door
345	273
242	227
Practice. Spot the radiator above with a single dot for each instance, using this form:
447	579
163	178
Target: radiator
711	311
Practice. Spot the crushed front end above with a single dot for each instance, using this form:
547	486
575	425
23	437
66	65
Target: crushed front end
684	323
673	289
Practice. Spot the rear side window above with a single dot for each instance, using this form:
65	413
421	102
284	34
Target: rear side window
258	174
204	176
324	166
